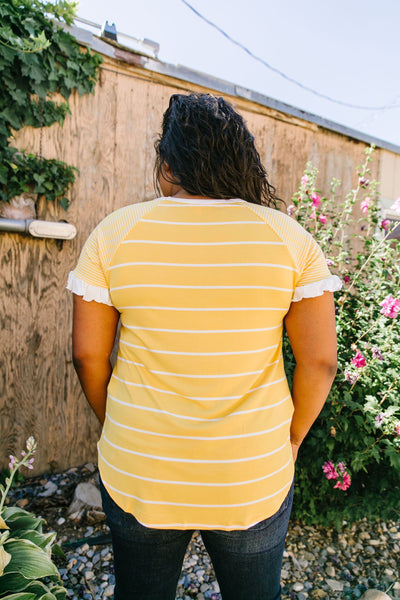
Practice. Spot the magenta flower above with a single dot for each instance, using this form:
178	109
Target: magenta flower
346	278
379	418
390	307
329	470
290	210
330	262
385	224
359	360
365	204
323	219
364	182
316	200
345	484
397	429
351	377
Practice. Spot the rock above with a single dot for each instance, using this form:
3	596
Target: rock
374	595
95	516
298	587
336	586
22	502
50	488
86	494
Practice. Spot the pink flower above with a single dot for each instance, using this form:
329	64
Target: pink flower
397	429
351	377
364	182
396	205
390	307
346	279
323	219
376	353
313	215
290	210
329	262
329	470
316	200
359	360
12	462
304	180
379	418
345	484
385	224
365	204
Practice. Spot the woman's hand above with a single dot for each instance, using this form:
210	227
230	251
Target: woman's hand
93	335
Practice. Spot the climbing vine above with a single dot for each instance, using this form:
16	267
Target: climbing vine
38	59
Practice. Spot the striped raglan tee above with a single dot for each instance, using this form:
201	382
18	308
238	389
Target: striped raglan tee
196	434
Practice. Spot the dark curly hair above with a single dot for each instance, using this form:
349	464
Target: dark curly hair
210	151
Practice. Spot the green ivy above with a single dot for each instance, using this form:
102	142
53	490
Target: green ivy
38	58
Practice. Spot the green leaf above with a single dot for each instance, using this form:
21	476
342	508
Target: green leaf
28	560
18	518
59	592
42	540
9	115
21	596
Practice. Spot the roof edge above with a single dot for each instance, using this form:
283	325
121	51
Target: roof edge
149	63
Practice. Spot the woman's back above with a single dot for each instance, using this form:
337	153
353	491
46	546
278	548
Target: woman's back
198	400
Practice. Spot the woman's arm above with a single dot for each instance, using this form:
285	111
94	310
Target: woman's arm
310	325
93	335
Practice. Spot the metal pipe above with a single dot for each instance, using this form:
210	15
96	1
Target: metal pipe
42	229
15	225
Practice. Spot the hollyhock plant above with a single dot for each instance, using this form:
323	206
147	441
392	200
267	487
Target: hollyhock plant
385	224
390	307
365	204
338	473
329	470
359	360
316	200
363	406
344	484
323	219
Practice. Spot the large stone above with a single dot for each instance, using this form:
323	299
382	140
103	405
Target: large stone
86	495
374	595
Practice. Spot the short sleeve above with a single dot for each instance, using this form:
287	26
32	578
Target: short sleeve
88	278
314	277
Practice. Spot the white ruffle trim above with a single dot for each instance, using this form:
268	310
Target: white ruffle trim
88	292
312	290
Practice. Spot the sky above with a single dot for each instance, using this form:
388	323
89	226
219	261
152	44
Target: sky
347	50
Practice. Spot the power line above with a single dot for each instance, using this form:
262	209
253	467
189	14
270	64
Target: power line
275	70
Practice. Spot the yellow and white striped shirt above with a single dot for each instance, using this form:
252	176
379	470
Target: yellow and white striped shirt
196	434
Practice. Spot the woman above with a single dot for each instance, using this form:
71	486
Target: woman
200	430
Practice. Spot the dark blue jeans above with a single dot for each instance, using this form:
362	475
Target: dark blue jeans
148	562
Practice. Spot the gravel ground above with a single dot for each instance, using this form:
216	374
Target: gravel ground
318	562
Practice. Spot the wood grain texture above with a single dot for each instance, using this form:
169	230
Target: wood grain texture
110	137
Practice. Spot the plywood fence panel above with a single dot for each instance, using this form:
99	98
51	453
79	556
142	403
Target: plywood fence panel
110	137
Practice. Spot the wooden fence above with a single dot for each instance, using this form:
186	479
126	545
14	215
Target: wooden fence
110	137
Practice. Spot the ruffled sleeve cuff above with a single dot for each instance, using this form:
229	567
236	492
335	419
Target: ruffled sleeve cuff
88	292
312	290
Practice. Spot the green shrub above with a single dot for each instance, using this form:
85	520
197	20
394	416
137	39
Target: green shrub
360	423
26	568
